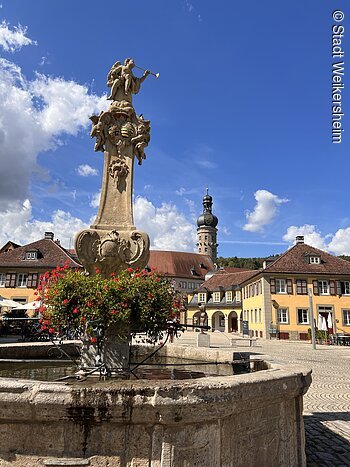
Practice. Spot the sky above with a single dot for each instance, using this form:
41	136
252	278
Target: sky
243	106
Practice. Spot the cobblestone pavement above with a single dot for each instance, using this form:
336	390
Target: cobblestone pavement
327	402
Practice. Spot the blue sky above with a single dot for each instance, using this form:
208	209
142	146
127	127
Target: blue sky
243	105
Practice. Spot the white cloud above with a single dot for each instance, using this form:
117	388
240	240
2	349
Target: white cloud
14	39
224	230
95	200
166	226
264	212
311	236
34	117
86	170
340	243
17	224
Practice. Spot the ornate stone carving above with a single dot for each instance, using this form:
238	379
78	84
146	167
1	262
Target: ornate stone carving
112	242
112	252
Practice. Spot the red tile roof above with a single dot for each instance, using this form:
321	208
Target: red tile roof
50	255
226	280
296	260
180	264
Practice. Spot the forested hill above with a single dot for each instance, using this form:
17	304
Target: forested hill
252	263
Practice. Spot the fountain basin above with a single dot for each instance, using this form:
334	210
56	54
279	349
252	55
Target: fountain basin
252	419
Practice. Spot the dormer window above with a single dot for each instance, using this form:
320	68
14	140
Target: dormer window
314	260
31	255
216	297
202	297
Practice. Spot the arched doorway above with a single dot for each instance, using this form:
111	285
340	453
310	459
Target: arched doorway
200	318
218	321
233	322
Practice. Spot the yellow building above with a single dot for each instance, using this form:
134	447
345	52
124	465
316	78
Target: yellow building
218	301
276	300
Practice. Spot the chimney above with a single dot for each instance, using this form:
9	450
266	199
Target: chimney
49	236
299	239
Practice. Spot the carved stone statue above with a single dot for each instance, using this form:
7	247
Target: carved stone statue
112	243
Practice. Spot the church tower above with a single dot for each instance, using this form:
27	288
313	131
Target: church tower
207	231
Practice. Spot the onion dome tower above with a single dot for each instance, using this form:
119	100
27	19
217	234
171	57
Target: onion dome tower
207	231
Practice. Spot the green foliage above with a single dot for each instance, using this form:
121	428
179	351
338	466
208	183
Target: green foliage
136	301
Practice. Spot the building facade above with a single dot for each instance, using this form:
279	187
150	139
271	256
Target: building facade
218	301
21	266
277	299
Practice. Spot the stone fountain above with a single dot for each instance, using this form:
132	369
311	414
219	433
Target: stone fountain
242	420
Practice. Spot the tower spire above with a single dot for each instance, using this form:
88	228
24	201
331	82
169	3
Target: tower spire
207	231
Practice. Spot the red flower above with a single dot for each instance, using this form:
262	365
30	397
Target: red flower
97	270
93	340
114	312
130	270
89	304
51	330
150	295
43	328
65	301
75	311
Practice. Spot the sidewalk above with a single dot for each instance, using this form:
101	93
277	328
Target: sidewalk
327	402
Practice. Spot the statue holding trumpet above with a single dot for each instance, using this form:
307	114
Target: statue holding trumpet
122	81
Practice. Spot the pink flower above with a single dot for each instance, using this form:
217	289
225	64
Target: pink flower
65	301
75	311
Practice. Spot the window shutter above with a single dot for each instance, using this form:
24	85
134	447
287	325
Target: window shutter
8	280
338	286
13	280
29	280
272	286
35	280
304	287
289	287
332	287
299	287
315	284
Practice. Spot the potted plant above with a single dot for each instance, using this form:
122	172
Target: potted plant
106	312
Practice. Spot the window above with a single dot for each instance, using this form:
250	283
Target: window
346	288
314	260
324	287
216	297
281	286
32	280
201	297
256	315
229	296
259	315
238	296
301	287
2	279
303	315
346	317
22	280
31	255
282	315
